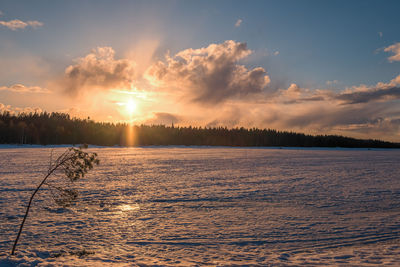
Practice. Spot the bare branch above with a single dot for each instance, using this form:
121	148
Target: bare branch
74	163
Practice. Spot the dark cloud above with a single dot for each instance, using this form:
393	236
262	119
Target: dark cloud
211	74
305	99
372	120
375	94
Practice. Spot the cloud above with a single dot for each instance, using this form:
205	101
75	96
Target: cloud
328	115
229	94
361	111
98	70
17	110
295	94
332	82
378	127
238	23
5	108
354	95
229	116
375	94
210	75
364	94
276	53
293	91
20	88
380	34
395	49
17	24
321	111
163	118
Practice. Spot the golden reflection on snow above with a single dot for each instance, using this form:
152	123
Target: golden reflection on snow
127	207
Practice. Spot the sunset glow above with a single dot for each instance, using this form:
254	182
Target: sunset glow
199	133
130	106
250	71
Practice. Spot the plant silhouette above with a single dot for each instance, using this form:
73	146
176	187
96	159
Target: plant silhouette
73	164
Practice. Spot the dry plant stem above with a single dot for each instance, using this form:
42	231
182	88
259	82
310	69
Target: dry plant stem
53	167
27	210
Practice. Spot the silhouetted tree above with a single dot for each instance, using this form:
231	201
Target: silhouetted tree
74	163
58	128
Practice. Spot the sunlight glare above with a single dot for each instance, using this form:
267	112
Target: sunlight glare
127	207
130	106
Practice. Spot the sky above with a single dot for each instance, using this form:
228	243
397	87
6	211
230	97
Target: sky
318	67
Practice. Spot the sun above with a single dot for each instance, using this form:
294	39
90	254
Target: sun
130	106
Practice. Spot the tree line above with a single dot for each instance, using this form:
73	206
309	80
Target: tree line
59	128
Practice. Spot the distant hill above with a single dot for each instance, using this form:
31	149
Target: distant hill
58	128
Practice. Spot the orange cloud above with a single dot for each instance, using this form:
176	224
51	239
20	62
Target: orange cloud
16	110
20	88
99	70
231	94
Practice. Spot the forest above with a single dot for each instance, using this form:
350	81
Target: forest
59	128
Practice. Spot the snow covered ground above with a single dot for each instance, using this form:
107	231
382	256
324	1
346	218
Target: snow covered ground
200	206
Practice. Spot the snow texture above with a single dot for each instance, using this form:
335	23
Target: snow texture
174	206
